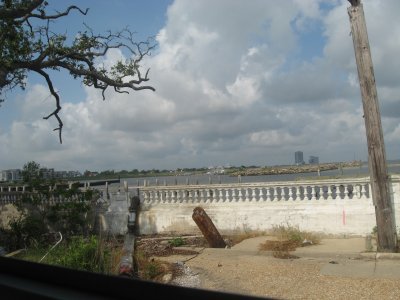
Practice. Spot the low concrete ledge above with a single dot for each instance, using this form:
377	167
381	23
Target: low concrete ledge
380	255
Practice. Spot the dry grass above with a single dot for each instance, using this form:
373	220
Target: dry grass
289	238
151	268
236	239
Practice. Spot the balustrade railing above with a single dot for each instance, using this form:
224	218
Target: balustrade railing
307	190
313	190
13	197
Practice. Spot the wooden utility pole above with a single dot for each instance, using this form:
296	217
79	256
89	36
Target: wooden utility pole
387	239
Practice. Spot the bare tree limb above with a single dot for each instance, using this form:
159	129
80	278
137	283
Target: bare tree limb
24	48
58	106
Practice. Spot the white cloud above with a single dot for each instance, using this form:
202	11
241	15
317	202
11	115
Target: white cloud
228	89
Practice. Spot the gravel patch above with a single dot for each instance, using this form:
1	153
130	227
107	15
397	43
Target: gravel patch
266	276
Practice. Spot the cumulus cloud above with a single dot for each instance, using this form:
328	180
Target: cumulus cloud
233	85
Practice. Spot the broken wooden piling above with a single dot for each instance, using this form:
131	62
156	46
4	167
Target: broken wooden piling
208	228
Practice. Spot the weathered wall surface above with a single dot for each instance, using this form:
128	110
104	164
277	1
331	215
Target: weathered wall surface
350	213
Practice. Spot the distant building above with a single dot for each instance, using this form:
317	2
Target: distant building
313	160
16	174
10	175
298	158
51	173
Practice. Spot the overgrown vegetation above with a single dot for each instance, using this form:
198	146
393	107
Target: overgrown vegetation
150	268
39	215
288	239
92	253
48	207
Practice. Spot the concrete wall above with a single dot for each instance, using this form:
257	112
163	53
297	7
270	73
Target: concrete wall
330	206
351	212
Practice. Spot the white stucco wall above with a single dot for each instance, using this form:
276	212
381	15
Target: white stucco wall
349	216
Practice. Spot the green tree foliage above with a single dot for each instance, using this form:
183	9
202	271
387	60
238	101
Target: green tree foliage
40	216
88	254
28	44
47	208
31	173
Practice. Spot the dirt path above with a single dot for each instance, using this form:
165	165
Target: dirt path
315	275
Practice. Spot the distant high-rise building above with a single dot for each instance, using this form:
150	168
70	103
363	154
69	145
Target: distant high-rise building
10	175
313	160
298	158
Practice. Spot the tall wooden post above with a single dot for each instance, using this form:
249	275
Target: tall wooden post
387	239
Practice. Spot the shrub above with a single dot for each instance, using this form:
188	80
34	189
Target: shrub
176	242
289	238
39	217
295	235
81	253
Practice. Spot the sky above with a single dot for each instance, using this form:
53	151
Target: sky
237	83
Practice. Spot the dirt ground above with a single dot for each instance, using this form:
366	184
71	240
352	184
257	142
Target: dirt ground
333	270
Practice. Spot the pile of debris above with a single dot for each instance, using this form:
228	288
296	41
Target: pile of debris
160	246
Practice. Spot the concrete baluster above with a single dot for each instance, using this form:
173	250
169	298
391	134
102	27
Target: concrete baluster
220	195
167	196
247	195
261	194
358	189
208	196
163	196
240	195
202	195
364	190
145	197
233	195
226	195
217	197
253	194
275	196
214	195
329	193
151	195
189	197
156	196
334	191
199	196
290	193
313	196
268	194
173	196
192	196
